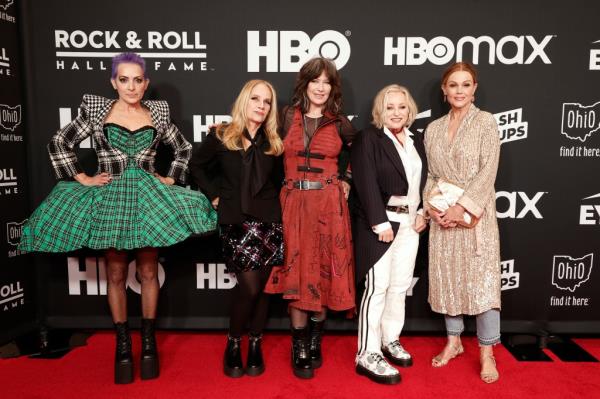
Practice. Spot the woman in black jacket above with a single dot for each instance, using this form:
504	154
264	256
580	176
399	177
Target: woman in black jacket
389	171
238	167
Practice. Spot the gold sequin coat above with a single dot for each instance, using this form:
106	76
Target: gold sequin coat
464	264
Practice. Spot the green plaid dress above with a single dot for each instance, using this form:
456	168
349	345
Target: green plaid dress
134	211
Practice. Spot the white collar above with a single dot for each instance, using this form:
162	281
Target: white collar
389	132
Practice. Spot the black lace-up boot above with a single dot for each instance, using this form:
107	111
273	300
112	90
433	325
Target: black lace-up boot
123	359
255	364
316	333
301	363
232	361
149	365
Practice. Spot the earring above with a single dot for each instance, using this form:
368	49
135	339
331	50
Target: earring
445	98
473	99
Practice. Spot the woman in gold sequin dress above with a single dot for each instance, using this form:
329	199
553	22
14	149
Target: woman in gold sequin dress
463	148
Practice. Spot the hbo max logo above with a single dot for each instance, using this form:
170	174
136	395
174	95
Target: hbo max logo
287	51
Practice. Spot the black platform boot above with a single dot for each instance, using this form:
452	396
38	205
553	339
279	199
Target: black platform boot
301	353
232	360
316	333
149	365
123	358
255	365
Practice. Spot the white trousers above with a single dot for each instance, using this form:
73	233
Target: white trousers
382	307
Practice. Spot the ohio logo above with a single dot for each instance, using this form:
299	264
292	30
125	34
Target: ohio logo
595	57
202	124
511	125
519	204
441	50
91	273
509	278
590	214
10	117
569	273
287	51
4	4
14	231
579	121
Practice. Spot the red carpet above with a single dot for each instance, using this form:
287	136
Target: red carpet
191	368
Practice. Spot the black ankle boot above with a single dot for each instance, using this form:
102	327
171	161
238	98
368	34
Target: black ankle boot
123	359
232	361
301	353
255	365
149	364
316	333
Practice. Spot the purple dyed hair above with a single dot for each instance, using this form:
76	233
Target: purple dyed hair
127	58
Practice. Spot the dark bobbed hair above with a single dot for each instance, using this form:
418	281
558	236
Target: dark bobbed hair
312	69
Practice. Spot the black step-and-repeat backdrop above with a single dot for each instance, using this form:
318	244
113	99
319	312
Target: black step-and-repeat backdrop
17	277
539	67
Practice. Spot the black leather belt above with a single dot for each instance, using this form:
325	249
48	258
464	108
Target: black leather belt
397	209
308	185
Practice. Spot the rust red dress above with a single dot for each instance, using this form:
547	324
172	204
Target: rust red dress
318	269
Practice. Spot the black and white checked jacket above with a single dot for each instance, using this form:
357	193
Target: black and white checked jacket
93	111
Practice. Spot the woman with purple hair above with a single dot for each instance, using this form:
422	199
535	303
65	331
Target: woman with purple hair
125	206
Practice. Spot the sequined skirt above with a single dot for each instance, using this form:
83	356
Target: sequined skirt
252	245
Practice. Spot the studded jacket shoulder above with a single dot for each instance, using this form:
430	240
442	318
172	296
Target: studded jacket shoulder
89	123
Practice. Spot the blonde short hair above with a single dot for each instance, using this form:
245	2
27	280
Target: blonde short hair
379	105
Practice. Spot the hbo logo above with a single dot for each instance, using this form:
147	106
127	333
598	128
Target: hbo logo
287	51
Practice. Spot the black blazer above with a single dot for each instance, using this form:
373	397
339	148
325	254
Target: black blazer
218	172
378	173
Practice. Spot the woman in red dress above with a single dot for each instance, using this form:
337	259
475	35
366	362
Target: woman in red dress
318	269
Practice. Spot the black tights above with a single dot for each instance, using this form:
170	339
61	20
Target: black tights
249	302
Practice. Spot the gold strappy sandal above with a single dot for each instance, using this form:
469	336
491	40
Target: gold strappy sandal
441	361
489	377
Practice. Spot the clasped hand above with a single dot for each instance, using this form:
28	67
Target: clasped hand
449	218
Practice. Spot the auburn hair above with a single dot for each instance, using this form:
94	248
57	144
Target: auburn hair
459	66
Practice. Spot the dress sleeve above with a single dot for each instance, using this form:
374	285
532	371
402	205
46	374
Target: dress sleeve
430	178
63	158
182	151
481	188
347	133
204	163
285	118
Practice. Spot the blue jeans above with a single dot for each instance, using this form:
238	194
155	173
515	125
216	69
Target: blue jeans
488	326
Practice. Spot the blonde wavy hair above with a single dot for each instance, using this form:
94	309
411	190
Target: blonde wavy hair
378	110
231	134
